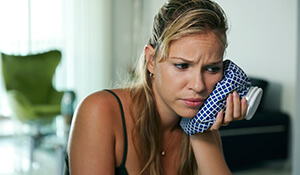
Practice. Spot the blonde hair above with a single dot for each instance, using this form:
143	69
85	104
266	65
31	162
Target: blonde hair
175	19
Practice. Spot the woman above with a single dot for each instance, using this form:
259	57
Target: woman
136	130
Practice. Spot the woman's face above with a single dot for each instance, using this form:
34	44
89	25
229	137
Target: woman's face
185	79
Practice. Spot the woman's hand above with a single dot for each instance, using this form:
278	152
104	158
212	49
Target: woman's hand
236	109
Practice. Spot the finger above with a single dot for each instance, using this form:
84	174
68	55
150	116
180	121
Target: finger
236	107
218	122
229	110
244	106
225	124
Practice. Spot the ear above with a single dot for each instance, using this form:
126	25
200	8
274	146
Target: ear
150	58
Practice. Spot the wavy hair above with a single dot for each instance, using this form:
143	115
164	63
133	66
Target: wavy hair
175	19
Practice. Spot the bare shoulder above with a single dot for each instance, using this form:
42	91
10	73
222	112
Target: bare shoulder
99	108
96	121
96	103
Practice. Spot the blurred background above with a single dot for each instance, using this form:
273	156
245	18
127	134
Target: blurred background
98	42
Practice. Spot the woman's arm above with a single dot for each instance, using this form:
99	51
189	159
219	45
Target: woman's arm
208	154
207	146
91	146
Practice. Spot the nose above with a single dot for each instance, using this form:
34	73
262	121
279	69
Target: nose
196	82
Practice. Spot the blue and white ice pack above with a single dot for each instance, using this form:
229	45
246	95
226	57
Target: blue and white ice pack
234	79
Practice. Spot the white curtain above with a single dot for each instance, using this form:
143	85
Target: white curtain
87	44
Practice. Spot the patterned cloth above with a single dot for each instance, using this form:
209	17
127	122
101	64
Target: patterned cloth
234	79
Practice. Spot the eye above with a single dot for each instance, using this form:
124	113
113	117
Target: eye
182	65
213	69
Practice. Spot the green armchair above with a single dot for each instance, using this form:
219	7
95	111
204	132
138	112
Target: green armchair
28	82
33	100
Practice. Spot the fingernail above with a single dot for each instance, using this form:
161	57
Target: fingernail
229	97
244	101
220	113
235	94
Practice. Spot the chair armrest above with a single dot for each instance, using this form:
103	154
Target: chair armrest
67	103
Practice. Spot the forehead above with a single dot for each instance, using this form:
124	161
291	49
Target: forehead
196	45
206	37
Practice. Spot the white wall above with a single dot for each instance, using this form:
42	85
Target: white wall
132	24
262	40
296	123
122	38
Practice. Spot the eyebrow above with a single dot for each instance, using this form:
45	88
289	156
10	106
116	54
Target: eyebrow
190	61
216	62
183	59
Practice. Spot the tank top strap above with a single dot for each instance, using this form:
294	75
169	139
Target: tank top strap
122	165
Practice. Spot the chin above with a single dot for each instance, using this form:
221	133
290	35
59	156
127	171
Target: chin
189	114
189	117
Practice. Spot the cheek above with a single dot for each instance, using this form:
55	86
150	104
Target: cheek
168	81
212	80
162	79
167	76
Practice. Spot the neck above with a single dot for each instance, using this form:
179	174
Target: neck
169	124
168	121
169	139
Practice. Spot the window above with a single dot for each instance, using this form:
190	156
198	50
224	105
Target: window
30	26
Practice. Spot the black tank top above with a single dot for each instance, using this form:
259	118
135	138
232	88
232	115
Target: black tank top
121	169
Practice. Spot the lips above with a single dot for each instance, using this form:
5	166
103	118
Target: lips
193	102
